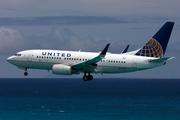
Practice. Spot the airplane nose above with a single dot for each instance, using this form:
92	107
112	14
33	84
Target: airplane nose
9	59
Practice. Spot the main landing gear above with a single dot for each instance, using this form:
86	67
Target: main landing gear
87	77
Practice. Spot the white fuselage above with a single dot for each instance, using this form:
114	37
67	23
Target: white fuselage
112	63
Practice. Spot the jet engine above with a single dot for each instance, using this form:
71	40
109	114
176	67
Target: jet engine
63	69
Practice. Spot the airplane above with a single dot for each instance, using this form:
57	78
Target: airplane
62	62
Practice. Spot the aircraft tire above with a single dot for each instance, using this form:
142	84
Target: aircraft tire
90	77
85	78
25	73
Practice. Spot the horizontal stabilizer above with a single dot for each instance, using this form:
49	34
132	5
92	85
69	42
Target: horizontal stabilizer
161	59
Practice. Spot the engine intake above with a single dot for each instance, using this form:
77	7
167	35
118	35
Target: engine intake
63	69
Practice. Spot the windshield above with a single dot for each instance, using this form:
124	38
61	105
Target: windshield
17	54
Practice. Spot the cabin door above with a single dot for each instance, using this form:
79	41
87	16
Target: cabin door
29	56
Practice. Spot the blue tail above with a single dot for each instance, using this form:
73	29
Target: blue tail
156	46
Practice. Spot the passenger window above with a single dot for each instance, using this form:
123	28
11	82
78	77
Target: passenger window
42	56
64	58
37	56
49	57
124	61
121	61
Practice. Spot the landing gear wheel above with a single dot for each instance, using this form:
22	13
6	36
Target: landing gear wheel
85	78
25	73
90	77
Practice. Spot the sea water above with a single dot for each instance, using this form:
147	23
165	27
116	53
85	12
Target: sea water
99	99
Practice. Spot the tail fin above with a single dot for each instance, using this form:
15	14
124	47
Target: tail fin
156	46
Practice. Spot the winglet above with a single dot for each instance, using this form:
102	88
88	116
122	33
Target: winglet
103	53
125	50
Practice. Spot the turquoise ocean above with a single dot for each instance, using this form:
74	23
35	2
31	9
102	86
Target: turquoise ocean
99	99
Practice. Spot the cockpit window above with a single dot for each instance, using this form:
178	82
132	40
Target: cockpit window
17	54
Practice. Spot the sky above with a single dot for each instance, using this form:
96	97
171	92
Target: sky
89	26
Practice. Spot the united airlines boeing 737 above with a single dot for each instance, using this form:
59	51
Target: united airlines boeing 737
74	62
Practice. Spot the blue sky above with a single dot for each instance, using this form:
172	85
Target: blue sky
86	25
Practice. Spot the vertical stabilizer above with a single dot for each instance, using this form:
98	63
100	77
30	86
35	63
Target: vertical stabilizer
156	46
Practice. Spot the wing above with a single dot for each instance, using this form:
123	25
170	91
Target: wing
91	65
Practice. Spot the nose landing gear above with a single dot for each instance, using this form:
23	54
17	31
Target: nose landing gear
87	77
25	73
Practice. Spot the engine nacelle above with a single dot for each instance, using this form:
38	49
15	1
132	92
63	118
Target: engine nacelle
62	69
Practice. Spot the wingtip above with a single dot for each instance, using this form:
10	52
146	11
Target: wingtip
108	44
103	53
